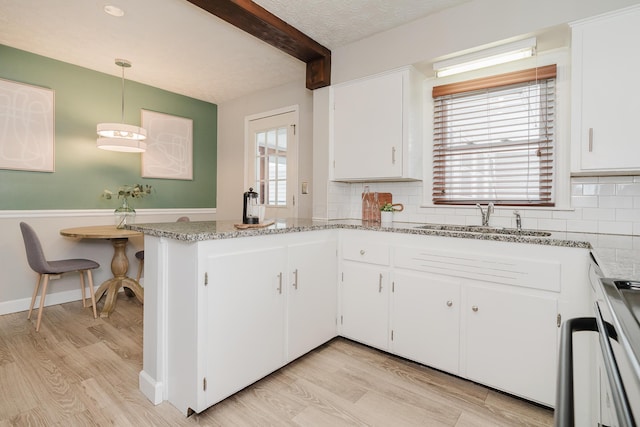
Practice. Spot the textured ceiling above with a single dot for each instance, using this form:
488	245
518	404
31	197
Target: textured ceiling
334	23
176	46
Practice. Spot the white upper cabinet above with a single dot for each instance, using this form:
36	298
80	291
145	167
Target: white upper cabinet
377	124
606	93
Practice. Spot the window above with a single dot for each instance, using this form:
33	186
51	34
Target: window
272	160
494	139
271	166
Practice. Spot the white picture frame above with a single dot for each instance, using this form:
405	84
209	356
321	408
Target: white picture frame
169	153
27	127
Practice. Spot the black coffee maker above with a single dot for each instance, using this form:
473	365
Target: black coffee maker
250	209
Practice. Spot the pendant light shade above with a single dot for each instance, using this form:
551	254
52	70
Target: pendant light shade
125	145
120	136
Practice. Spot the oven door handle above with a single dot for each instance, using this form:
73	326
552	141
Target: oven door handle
564	411
620	401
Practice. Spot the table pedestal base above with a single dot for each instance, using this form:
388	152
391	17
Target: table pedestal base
111	288
119	268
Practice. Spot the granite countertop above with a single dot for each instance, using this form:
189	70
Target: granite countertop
618	256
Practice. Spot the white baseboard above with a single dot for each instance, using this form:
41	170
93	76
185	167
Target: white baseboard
151	388
53	298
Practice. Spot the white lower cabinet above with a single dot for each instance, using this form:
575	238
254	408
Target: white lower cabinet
365	304
486	311
510	340
312	295
229	312
246	312
255	304
426	319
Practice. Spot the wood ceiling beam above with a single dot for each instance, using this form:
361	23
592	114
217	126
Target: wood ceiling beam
257	21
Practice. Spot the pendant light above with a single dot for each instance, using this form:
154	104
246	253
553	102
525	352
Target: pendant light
120	136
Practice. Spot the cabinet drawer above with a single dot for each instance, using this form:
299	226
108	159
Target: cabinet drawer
362	251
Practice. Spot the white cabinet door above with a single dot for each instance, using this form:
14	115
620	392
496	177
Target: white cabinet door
511	341
312	296
426	319
368	128
377	127
606	93
365	304
245	319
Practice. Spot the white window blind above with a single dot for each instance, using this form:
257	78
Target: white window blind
494	139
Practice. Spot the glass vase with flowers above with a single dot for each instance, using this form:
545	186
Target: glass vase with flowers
125	214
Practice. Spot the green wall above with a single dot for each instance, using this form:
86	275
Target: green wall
84	98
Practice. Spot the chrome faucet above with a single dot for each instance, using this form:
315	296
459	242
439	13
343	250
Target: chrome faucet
518	220
485	214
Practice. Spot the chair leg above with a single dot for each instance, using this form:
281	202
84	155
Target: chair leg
84	297
92	293
44	293
140	268
35	294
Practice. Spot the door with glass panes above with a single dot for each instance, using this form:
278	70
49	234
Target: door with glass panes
272	162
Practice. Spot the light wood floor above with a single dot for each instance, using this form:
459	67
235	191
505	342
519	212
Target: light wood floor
80	371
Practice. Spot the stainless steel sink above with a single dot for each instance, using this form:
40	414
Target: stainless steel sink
484	229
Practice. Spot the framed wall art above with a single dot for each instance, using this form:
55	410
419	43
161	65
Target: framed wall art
169	153
27	127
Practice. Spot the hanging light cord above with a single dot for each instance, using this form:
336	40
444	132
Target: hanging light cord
123	63
122	116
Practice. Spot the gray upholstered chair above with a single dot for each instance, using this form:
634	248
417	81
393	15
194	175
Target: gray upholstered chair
140	254
44	268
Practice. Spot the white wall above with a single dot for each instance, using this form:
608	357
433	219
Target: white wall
17	280
473	24
470	25
231	144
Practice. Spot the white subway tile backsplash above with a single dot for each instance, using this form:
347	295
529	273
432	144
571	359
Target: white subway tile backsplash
631	189
433	219
582	226
615	202
615	179
590	189
584	201
615	227
632	215
585	180
599	205
599	214
606	189
552	224
568	214
536	213
615	242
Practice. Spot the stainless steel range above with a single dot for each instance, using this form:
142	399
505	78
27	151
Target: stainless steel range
616	366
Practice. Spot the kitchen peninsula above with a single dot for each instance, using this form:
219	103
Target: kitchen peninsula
226	307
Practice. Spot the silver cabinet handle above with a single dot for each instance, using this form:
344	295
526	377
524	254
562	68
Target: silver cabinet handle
590	140
474	308
393	155
449	303
295	279
380	284
362	251
279	288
